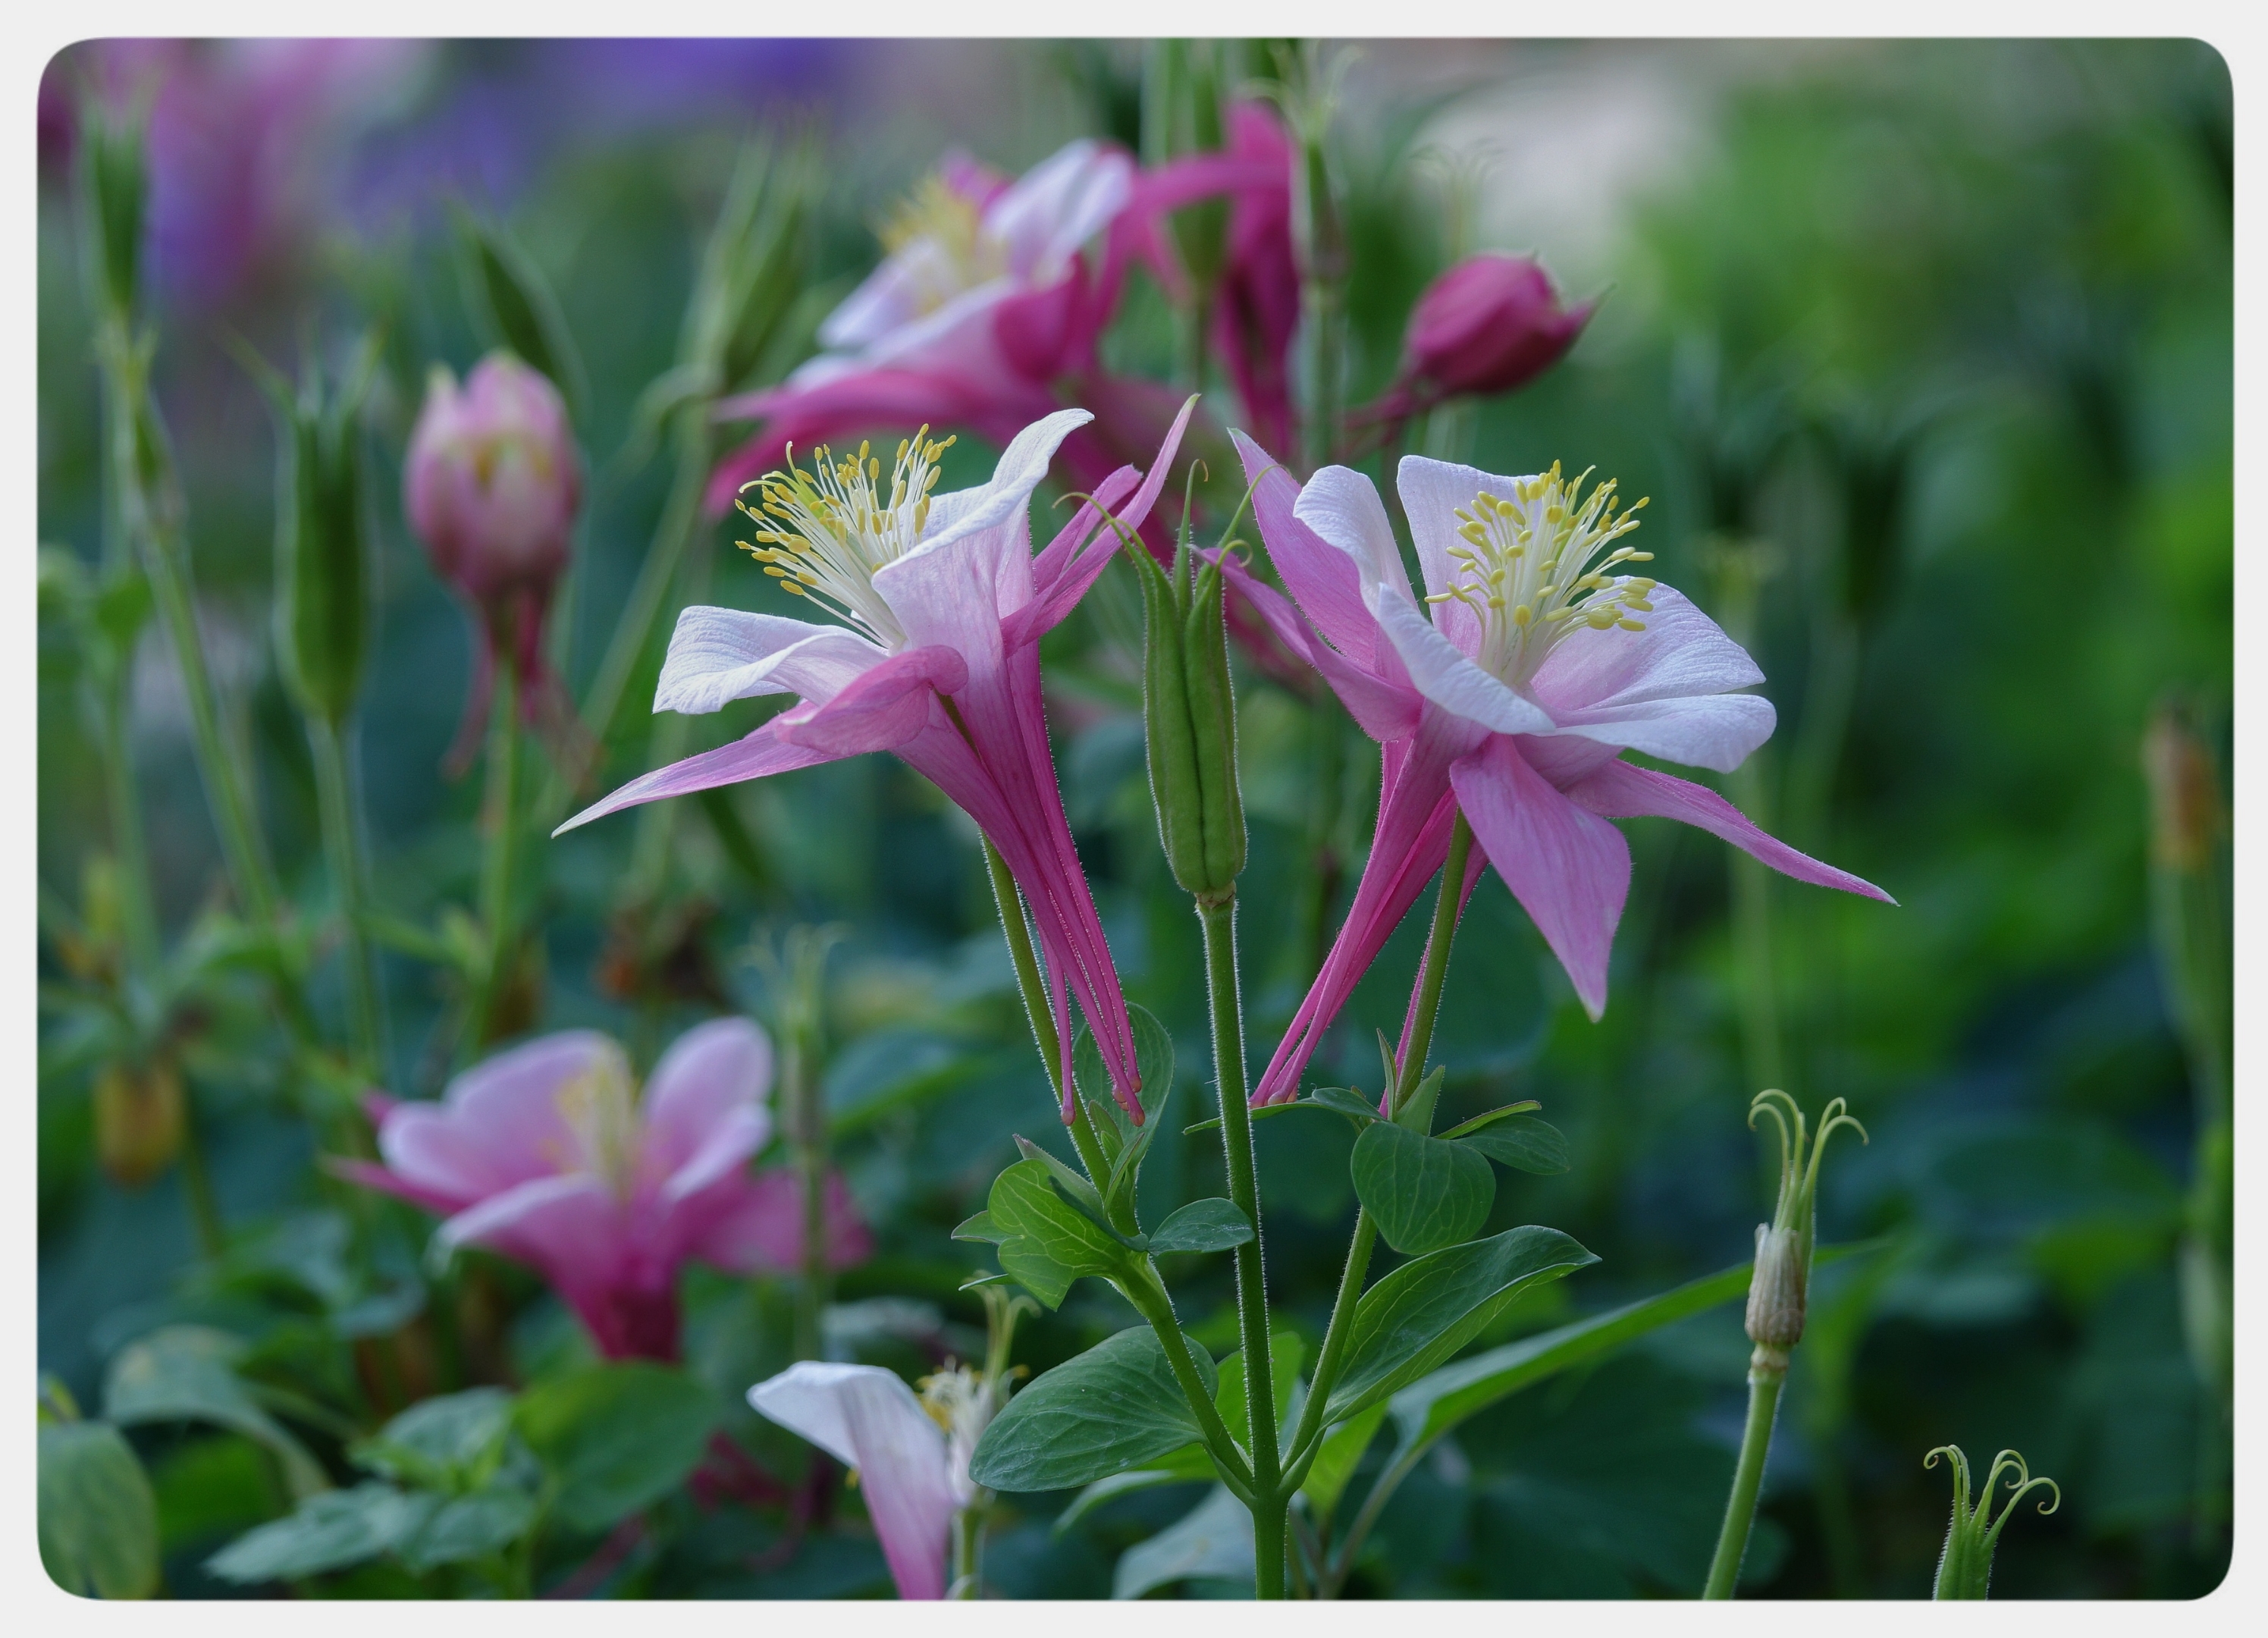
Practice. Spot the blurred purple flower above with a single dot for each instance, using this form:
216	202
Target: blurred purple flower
490	483
246	141
548	1155
1491	324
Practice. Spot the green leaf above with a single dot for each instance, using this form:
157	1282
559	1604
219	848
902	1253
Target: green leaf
470	1527
1287	1350
329	1532
1149	1478
510	298
1418	1316
981	1228
1426	1192
1076	1189
1521	1141
97	1517
1434	1403
1213	1543
1341	1100
1050	1241
1112	1408
452	1443
1489	1118
1213	1225
1262	1113
1335	1464
618	1437
1416	1115
1125	1145
185	1374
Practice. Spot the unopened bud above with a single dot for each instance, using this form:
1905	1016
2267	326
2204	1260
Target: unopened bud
1490	324
1964	1568
138	1115
492	481
1777	1295
322	550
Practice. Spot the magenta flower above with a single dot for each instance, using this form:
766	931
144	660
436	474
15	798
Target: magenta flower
490	483
1256	307
985	302
548	1155
1541	663
910	1455
942	605
1491	324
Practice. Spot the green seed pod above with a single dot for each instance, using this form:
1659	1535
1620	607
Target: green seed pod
1189	718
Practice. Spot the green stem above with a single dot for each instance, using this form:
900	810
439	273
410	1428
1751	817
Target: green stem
1372	1505
196	1182
967	1534
1307	1438
1151	1300
808	1135
343	850
500	804
136	906
1218	920
1042	1015
681	514
164	558
1747	1474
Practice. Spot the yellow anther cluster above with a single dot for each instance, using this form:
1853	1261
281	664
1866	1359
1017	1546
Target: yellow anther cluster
939	234
825	532
1526	569
599	1108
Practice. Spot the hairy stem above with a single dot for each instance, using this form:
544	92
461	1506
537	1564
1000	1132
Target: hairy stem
1034	991
1149	1296
342	851
137	905
1747	1474
1218	920
500	804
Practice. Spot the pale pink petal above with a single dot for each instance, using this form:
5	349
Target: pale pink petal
710	1076
1681	652
371	1175
1432	493
761	753
505	1111
756	1226
1066	199
721	655
1569	868
889	704
1343	508
1440	670
867	1418
1621	790
1322	579
1707	730
570	1228
1386	711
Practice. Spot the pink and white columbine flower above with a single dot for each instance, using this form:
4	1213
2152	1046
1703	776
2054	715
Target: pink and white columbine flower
1537	660
910	1455
942	605
548	1153
985	301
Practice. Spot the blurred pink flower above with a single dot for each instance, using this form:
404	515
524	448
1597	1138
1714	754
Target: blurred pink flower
1491	324
490	483
1541	662
247	138
985	303
910	1455
1256	306
548	1155
942	605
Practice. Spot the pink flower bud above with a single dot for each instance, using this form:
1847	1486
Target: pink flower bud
1490	324
493	480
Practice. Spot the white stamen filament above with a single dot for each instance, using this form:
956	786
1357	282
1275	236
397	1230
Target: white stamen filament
1525	569
825	532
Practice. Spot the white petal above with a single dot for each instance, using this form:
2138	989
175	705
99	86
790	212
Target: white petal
1432	492
1681	652
1343	508
1056	206
721	655
1446	675
1706	731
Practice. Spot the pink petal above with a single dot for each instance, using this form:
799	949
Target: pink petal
1322	580
568	1228
711	1073
888	705
1681	652
370	1175
756	1226
867	1418
1569	868
1621	790
1708	730
761	753
505	1108
1386	710
721	655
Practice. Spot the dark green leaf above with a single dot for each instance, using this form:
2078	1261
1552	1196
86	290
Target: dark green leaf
1213	1225
1124	1144
1421	1314
329	1532
1149	1478
1286	1351
1489	1118
186	1374
618	1437
1416	1115
1114	1407
981	1228
1426	1192
98	1519
470	1527
1050	1242
1335	1464
1341	1100
1213	1543
1521	1141
450	1443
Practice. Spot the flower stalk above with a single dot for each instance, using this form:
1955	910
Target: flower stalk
1964	1568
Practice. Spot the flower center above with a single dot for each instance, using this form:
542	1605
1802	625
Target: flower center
1525	568
961	1402
825	532
601	1108
938	234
